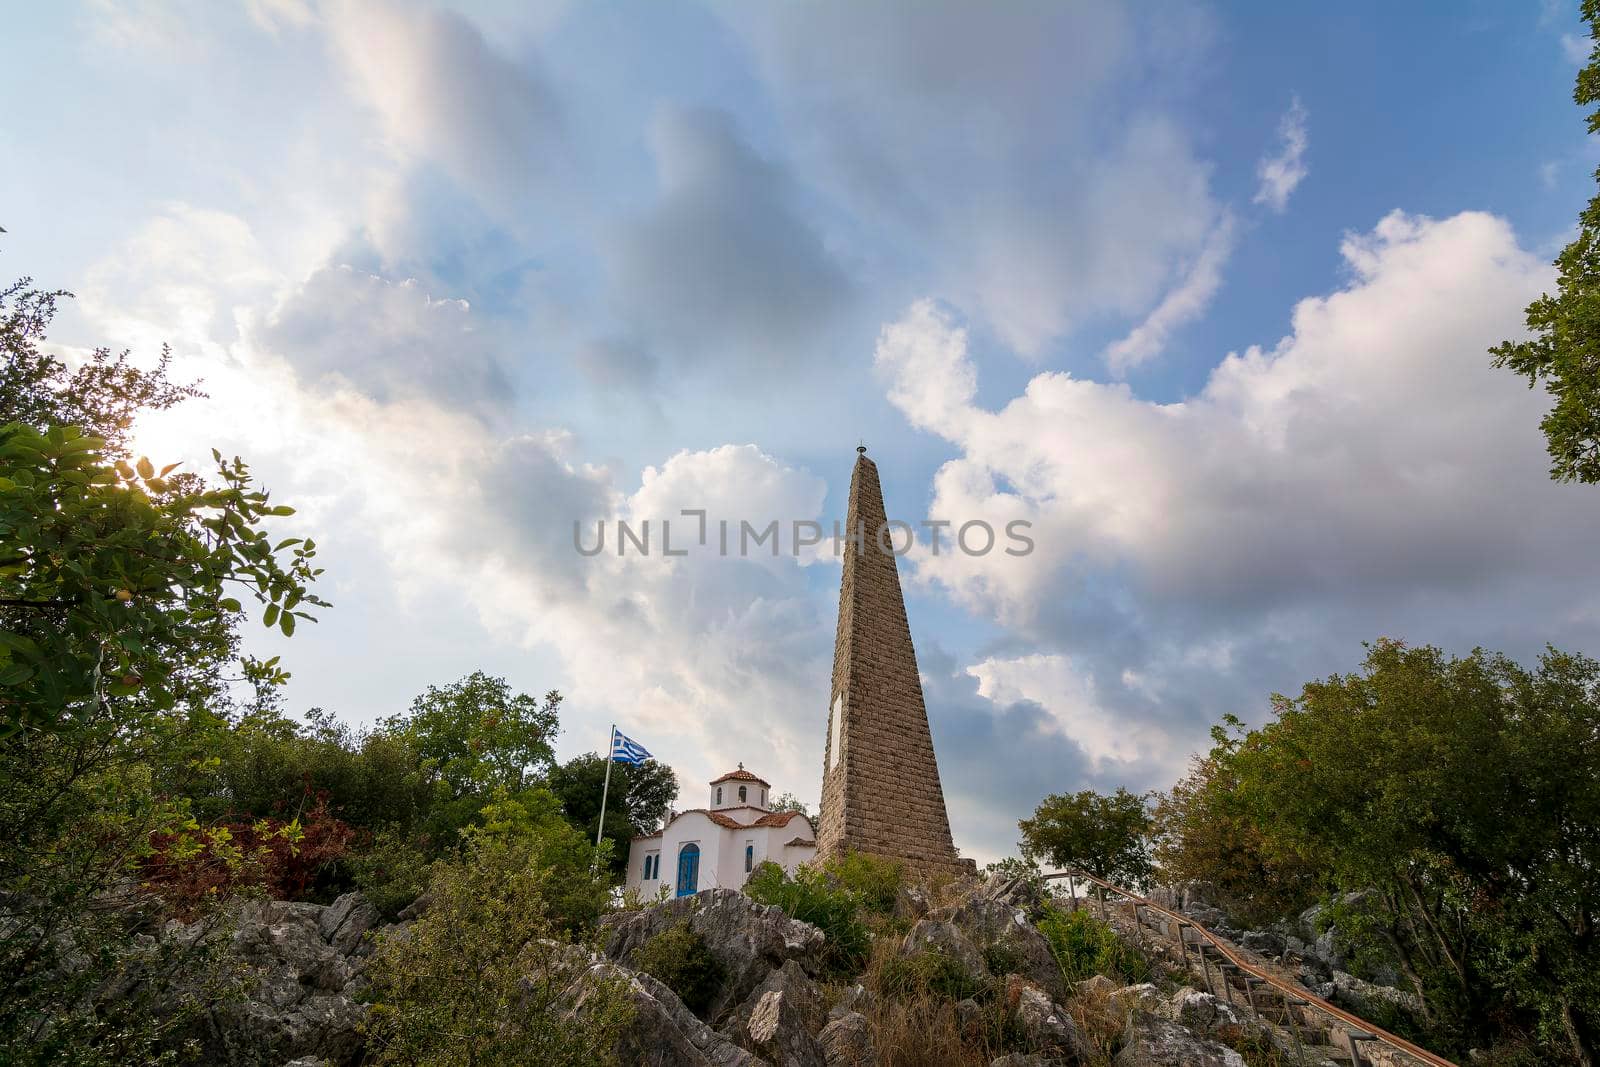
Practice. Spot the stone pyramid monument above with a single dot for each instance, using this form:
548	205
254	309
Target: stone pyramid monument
880	780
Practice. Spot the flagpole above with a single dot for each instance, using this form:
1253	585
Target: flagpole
611	748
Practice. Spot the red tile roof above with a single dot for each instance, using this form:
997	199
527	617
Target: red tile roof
806	841
741	775
772	818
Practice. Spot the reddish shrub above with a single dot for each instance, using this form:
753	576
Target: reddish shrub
282	857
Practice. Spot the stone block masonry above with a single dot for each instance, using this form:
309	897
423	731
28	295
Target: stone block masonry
881	792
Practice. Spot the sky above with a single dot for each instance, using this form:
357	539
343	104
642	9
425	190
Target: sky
1202	292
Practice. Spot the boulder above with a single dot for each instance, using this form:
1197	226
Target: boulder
947	939
1265	942
1366	998
1097	988
748	939
911	902
1006	942
300	995
1151	1041
847	1042
661	1032
345	922
1045	1027
855	998
781	1019
1204	1014
1016	891
1121	1003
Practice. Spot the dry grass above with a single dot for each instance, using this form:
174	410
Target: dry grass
923	1027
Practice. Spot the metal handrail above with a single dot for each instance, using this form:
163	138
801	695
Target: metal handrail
1281	985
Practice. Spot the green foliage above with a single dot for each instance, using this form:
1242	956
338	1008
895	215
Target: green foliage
117	639
679	959
392	871
1205	830
481	977
637	801
811	896
789	802
1462	795
479	736
1564	351
1108	836
873	880
109	572
1084	947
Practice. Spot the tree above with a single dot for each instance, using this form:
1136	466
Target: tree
1460	796
1107	836
1206	831
1564	352
118	639
636	802
114	576
790	802
479	736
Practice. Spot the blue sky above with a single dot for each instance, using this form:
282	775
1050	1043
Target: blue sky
1202	291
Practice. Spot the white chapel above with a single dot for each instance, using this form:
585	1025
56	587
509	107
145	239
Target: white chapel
720	844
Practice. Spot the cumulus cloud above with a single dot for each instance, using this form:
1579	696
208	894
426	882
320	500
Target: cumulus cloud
1003	156
1282	172
1179	307
724	264
389	339
1369	474
445	95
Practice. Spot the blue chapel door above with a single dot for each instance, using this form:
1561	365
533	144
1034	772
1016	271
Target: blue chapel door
688	870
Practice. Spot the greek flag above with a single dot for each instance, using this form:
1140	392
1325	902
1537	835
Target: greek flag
625	749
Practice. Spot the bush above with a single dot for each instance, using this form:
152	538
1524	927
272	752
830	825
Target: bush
1084	947
480	978
874	881
809	897
392	871
679	959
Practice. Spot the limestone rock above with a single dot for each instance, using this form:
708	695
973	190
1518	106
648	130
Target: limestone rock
662	1032
1005	940
748	939
847	1042
945	938
1046	1027
911	902
1367	998
1150	1041
1125	1001
346	921
1204	1014
856	998
1099	987
300	995
781	1019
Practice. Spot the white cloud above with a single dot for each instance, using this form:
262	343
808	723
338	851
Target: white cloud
1369	474
444	93
1185	303
1004	153
1282	172
1576	49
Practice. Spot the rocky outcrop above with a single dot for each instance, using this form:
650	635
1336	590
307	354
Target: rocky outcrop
847	1042
1151	1041
301	967
749	940
1045	1026
781	1020
662	1032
